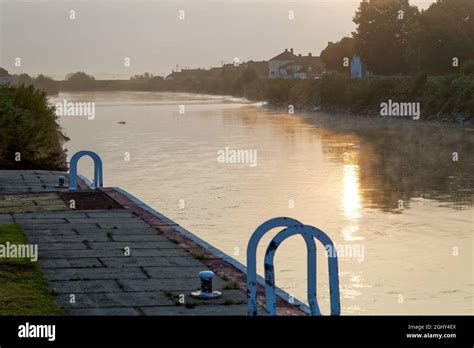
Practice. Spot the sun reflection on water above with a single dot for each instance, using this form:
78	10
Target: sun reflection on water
351	202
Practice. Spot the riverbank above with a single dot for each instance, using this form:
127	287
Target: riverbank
446	98
436	98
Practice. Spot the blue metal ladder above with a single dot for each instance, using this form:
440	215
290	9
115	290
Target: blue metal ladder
309	233
98	174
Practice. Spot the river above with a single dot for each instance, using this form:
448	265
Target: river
396	196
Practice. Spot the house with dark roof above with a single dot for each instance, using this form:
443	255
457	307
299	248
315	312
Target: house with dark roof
278	62
5	76
291	66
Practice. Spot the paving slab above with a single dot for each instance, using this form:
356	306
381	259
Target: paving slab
60	254
10	203
132	245
46	246
129	234
73	274
6	219
232	310
114	299
137	236
112	311
18	181
50	215
69	238
150	261
83	286
36	226
169	284
71	263
173	272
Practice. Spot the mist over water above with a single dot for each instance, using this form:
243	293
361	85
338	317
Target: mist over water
389	188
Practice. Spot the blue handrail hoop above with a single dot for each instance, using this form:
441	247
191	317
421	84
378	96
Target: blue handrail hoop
309	233
98	174
252	263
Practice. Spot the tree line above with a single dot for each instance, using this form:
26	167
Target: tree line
394	37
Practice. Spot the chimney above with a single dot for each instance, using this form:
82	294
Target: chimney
286	49
310	54
291	50
299	55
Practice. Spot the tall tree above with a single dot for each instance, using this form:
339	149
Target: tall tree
444	36
335	54
383	29
80	81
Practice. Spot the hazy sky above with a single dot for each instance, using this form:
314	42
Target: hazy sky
151	34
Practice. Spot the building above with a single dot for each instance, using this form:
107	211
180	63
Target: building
5	77
288	65
285	65
185	74
280	61
358	68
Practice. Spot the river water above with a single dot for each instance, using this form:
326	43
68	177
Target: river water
395	196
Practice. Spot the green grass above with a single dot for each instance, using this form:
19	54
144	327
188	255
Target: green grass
228	301
198	255
175	298
23	290
231	285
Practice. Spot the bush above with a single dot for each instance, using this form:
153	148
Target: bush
278	91
439	96
333	89
468	67
29	130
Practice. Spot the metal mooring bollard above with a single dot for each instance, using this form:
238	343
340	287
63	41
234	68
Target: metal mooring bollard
61	181
206	286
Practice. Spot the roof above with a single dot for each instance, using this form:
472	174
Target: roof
293	59
311	60
3	72
285	55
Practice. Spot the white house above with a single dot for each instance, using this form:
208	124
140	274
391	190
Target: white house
288	65
278	62
5	77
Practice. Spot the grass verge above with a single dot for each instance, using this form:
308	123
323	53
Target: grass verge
23	290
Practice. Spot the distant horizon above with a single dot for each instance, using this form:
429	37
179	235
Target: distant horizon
150	33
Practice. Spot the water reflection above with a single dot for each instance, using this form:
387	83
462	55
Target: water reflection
350	192
400	161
